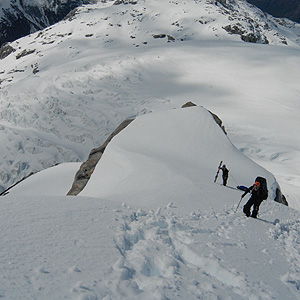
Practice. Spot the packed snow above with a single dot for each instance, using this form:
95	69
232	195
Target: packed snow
151	223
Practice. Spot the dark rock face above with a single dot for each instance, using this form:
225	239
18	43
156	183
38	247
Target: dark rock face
188	104
20	19
87	168
248	37
5	50
118	2
280	8
280	197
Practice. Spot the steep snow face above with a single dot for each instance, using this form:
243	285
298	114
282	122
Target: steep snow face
66	88
165	153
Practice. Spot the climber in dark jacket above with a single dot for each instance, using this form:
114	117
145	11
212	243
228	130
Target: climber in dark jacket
257	197
225	172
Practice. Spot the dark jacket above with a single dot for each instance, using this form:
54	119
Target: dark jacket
225	171
258	195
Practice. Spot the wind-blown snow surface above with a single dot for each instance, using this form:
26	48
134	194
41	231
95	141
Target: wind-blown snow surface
66	88
161	229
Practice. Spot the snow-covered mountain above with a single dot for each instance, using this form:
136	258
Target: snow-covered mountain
151	223
66	88
22	17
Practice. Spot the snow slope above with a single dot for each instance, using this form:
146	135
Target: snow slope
47	182
151	224
138	160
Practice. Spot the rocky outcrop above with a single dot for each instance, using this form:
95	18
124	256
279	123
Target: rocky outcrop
246	36
280	197
87	168
5	50
118	2
188	104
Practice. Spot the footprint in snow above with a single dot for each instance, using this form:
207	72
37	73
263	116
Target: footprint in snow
155	249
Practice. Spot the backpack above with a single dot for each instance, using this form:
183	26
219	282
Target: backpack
263	186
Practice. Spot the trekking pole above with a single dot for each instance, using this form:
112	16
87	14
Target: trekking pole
239	204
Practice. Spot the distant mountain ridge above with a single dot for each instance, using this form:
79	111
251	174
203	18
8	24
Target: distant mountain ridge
280	8
20	17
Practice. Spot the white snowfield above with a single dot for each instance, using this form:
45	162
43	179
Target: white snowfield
151	223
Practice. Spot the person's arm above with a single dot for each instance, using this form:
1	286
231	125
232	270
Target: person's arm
247	191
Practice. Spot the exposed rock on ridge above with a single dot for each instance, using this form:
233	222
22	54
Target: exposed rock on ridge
280	197
87	168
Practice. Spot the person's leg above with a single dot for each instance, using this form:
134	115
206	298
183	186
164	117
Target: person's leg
247	207
255	209
225	180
